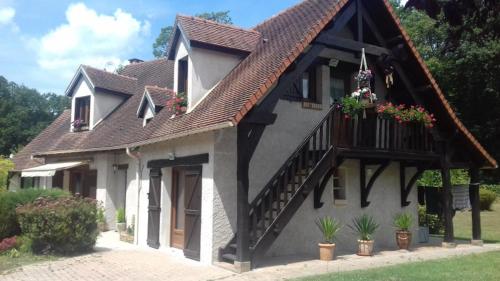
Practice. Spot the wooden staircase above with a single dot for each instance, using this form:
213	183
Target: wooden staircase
278	201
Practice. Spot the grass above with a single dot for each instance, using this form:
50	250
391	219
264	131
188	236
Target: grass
471	267
8	263
490	224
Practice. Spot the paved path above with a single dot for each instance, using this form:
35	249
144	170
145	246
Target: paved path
115	260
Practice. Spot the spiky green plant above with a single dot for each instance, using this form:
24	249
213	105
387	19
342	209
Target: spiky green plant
120	215
403	221
329	227
365	226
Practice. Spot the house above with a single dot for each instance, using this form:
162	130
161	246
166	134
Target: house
260	151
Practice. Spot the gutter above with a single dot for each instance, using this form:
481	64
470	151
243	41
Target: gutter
136	155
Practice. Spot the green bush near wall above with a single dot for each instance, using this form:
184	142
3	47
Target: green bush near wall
64	225
10	200
492	187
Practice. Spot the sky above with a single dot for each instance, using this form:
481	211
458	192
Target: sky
43	42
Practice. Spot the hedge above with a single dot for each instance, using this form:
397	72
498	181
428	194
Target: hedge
492	187
486	199
64	225
10	200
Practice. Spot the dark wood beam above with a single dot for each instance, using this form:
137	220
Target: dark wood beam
423	89
350	45
474	200
407	187
359	21
319	190
179	161
366	188
343	18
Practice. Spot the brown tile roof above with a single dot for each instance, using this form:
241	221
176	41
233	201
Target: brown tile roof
102	79
202	32
287	36
159	96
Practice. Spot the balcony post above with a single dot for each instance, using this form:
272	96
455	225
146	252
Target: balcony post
474	200
449	238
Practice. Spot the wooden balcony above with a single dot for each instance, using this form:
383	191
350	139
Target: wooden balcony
372	136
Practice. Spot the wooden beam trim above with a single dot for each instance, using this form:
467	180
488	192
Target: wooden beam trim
365	190
350	45
407	187
179	161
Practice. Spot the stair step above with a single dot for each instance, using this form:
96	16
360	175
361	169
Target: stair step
232	246
229	257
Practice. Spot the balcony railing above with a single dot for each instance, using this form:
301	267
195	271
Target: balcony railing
372	131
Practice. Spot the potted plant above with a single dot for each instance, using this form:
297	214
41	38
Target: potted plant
365	226
403	222
101	220
121	225
329	227
423	225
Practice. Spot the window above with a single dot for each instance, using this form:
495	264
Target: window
309	93
337	89
82	113
30	182
182	76
339	187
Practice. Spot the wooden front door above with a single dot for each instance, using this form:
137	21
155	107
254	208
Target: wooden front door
154	209
186	211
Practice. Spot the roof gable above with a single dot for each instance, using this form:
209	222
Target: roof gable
209	34
155	98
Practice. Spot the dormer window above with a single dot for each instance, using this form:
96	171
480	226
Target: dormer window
82	113
182	82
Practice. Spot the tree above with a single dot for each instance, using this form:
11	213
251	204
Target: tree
460	42
160	46
5	166
24	113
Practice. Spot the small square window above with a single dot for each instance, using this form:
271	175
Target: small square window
340	187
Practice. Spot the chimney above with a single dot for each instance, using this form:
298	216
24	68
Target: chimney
134	60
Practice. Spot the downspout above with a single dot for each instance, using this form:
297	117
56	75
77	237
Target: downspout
136	155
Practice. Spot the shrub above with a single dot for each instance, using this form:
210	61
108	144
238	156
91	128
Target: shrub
433	221
7	244
329	227
120	215
64	225
403	221
486	199
492	187
10	200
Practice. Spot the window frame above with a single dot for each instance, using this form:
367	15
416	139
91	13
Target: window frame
337	177
82	106
182	75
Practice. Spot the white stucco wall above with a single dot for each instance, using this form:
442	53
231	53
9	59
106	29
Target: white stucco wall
205	69
14	183
101	104
192	145
301	235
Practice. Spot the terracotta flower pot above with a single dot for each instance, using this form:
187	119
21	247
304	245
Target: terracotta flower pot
403	239
326	251
365	247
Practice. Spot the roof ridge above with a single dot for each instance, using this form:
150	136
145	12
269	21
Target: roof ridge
112	73
280	13
148	61
218	23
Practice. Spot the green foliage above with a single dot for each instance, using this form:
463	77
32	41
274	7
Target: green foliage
433	178
24	244
351	106
329	227
492	187
64	225
160	46
120	215
5	166
10	200
403	221
433	221
100	215
486	199
365	226
24	113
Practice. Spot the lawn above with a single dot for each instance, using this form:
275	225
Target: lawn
7	263
471	267
490	224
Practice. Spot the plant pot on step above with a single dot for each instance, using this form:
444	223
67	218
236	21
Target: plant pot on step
121	226
326	251
403	239
365	247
